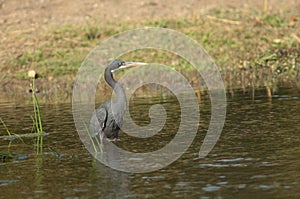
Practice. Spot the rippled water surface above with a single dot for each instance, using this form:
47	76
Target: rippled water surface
257	154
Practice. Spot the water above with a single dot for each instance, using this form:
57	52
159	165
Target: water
257	155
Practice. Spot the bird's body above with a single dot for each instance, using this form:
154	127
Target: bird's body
105	125
107	119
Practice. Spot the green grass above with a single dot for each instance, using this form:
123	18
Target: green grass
274	20
239	41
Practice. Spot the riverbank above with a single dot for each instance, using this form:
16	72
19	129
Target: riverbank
254	48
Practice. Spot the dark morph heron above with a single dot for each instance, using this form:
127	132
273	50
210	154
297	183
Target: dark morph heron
107	119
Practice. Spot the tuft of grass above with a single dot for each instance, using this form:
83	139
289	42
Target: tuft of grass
92	32
274	20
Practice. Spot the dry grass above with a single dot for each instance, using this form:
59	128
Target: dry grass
253	50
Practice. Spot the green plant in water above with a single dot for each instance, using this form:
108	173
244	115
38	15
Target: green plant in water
10	135
37	114
6	156
96	145
4	125
37	121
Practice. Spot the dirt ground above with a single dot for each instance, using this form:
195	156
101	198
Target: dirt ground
33	14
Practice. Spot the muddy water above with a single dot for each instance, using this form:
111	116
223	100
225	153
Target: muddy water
257	155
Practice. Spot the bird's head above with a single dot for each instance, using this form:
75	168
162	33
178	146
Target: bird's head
119	64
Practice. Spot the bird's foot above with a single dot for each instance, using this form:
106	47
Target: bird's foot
113	139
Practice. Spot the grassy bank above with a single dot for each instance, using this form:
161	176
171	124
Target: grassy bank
252	50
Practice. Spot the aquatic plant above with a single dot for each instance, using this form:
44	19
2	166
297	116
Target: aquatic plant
36	109
7	130
96	144
6	156
37	121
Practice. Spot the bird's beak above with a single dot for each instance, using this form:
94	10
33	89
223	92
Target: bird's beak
132	64
129	65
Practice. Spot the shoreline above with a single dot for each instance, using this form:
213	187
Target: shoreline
252	49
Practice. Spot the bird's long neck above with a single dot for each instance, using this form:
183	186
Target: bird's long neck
118	89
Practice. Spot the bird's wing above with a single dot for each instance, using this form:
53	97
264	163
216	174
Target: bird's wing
101	115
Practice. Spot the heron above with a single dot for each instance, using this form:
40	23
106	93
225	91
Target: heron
107	119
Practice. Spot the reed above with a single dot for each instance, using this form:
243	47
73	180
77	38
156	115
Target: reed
7	130
97	146
37	121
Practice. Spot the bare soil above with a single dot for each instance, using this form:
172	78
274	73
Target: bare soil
16	14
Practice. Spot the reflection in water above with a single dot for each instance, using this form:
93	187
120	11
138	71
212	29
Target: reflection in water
257	155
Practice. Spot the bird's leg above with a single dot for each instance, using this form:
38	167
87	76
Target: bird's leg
116	138
101	136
